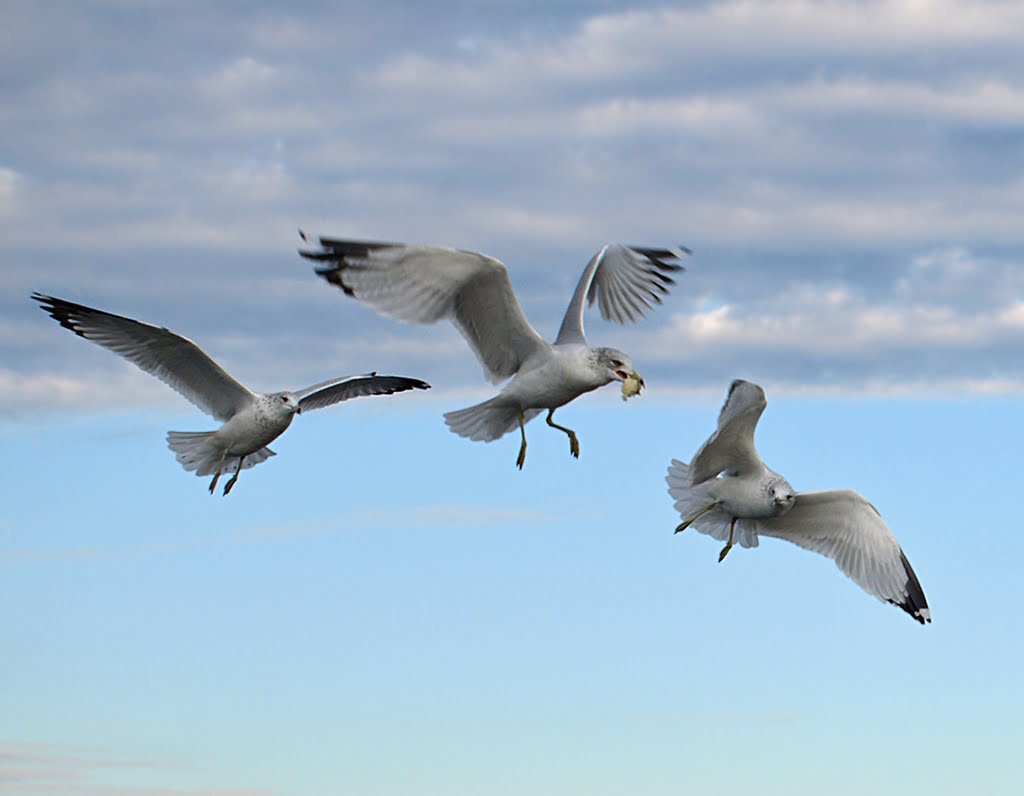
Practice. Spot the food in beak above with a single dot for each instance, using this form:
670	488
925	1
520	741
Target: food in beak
632	385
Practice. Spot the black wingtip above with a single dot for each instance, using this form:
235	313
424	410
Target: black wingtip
664	258
920	615
47	303
66	313
914	603
44	299
403	383
338	249
337	255
334	274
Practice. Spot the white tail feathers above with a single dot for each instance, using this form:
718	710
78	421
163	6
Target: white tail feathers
487	421
196	450
693	499
678	477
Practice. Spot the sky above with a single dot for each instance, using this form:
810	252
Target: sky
385	608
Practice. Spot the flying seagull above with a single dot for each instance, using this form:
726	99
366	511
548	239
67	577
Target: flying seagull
423	284
250	421
728	492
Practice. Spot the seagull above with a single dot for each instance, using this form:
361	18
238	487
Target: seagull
250	420
727	485
423	284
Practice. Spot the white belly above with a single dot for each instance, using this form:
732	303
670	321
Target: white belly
744	496
250	430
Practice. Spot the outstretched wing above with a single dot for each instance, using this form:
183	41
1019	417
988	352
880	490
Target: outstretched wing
341	389
844	526
175	360
625	281
423	284
731	447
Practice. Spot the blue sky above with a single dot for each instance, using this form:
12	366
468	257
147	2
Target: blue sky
386	608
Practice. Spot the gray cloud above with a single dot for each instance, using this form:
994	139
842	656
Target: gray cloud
819	158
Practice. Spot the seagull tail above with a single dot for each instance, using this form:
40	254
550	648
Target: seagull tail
196	450
678	477
693	499
690	499
487	421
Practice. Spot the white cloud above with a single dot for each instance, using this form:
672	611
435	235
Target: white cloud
38	768
975	102
700	114
98	392
9	179
752	28
860	148
938	323
624	45
254	181
956	277
240	78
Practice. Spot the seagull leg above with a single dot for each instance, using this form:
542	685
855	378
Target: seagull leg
216	474
522	448
684	525
728	547
574	444
231	483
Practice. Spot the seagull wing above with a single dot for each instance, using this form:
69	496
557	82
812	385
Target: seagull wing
844	526
625	281
423	284
731	448
175	360
341	389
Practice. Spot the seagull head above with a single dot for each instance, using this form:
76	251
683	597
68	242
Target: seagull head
617	365
782	495
287	403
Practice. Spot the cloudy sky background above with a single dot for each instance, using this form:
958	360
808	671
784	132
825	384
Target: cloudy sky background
846	174
388	607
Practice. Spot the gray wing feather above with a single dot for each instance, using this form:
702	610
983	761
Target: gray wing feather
626	281
175	360
844	526
731	448
341	389
423	284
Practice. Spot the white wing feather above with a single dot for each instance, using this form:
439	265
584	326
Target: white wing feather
844	526
626	281
731	447
334	391
175	360
423	284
